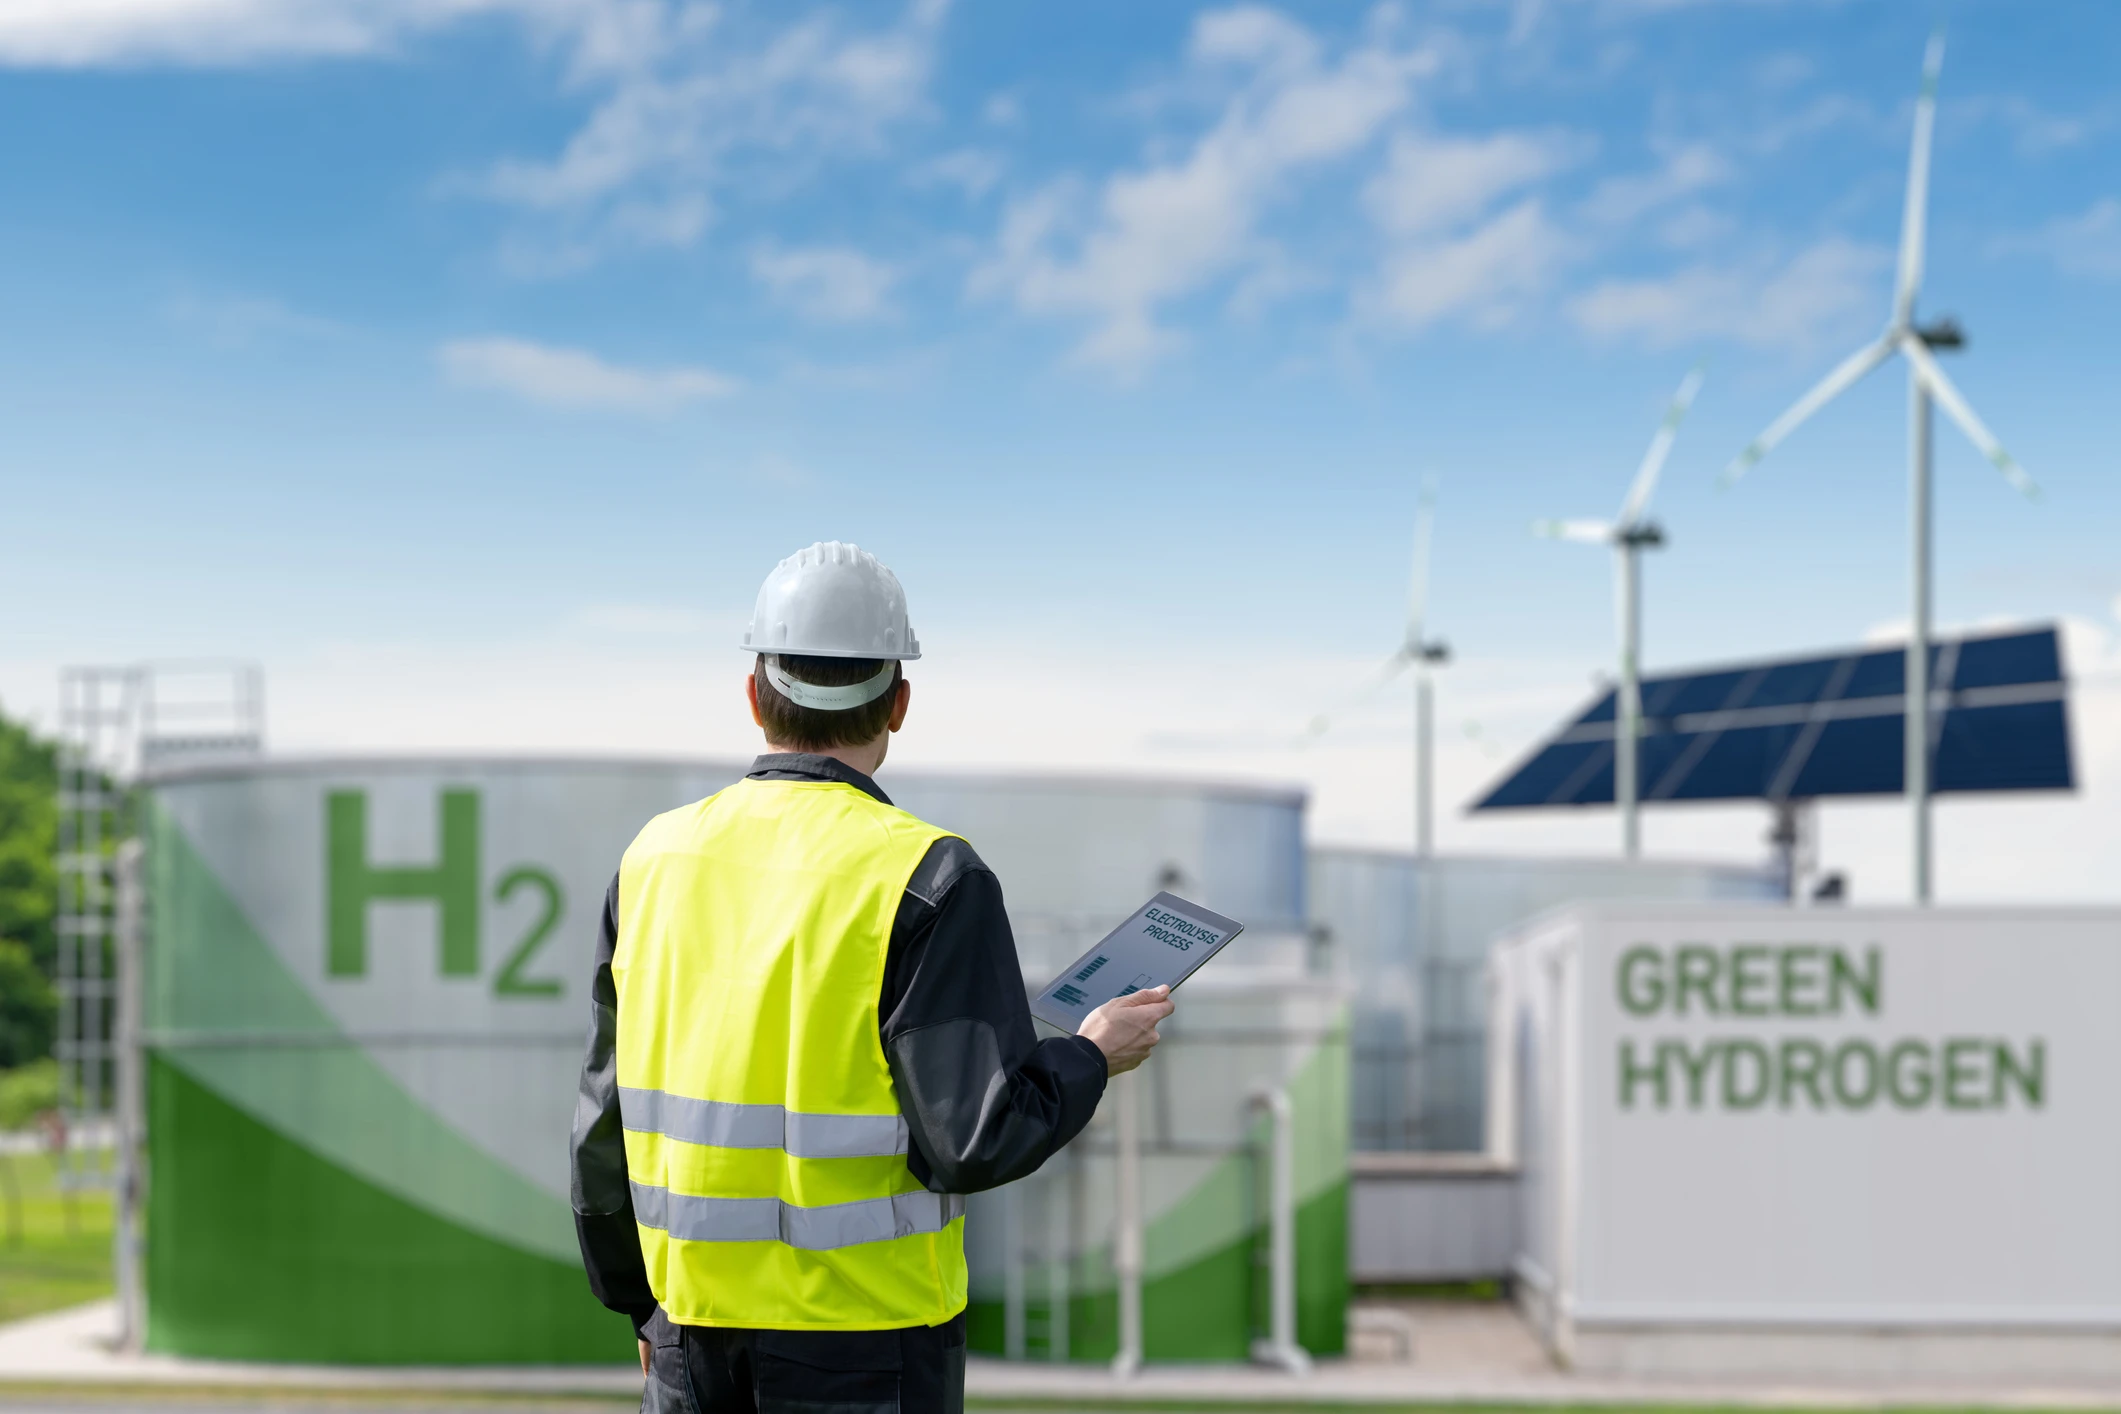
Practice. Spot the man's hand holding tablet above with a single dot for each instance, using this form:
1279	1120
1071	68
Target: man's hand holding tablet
1116	993
1125	1027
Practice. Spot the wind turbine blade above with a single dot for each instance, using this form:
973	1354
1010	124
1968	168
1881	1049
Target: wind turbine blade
1914	217
1418	582
1828	388
1652	466
1391	668
1955	407
1587	532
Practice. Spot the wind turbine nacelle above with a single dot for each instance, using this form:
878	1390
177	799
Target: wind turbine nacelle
1942	333
1645	535
1437	651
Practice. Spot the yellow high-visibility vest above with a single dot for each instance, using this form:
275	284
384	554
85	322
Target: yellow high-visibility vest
764	1140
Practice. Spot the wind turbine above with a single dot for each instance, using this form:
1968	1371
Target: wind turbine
1422	653
1630	533
1925	382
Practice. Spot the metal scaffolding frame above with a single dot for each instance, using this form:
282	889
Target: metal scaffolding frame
115	725
98	719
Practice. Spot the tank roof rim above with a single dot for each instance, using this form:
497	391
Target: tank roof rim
178	773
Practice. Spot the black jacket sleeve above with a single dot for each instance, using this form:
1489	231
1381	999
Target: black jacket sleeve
986	1100
603	1201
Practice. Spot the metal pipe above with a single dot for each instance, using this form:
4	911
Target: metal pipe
1059	1194
1280	1347
1917	717
126	1243
1012	1271
1127	1229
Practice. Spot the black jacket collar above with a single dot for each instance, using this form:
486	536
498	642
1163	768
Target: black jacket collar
805	766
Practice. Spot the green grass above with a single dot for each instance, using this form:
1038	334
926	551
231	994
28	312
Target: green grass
46	1260
1190	1406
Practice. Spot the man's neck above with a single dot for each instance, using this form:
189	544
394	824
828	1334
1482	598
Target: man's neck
865	758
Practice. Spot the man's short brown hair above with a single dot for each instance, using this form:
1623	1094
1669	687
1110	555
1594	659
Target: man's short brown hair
810	729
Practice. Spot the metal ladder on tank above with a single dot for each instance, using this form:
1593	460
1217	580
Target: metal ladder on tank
98	718
117	724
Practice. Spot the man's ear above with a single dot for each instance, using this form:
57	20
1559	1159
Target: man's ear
751	695
898	708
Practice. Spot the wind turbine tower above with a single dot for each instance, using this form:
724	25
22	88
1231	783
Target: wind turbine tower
1630	533
1926	384
1423	654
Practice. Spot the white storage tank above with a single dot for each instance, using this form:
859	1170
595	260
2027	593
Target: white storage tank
365	1008
1041	1250
1411	937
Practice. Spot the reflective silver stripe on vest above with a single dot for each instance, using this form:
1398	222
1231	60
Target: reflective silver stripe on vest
694	1219
729	1126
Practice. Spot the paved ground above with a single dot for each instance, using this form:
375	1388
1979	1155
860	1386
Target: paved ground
1463	1353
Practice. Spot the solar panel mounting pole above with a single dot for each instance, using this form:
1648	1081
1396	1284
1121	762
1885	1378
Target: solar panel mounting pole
1627	699
1424	764
1917	715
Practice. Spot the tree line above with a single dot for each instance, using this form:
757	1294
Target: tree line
29	832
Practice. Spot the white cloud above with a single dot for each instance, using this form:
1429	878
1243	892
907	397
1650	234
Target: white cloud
1448	254
691	103
1693	226
1829	289
243	321
687	99
1618	201
973	170
2036	131
1432	182
829	283
2088	244
1156	233
83	33
1485	275
1003	110
574	378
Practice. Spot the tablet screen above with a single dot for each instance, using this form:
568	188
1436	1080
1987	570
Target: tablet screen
1165	941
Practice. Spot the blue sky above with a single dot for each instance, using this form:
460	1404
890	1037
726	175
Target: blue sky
360	334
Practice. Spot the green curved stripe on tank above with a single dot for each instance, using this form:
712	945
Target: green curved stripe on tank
210	972
261	1249
1209	1308
1203	1287
1229	1199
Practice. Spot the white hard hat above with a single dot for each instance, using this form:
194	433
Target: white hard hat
832	601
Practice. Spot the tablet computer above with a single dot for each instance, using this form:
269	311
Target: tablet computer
1165	941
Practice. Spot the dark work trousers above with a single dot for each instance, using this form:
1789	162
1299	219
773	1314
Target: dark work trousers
711	1370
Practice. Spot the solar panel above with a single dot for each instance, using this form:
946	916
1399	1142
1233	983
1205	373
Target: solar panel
1795	729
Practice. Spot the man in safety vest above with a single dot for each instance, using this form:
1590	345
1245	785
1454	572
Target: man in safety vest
810	1040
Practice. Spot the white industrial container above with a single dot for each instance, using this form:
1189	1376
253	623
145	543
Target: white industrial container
1815	1140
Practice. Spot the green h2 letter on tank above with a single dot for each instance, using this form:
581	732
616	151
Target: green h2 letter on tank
451	883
